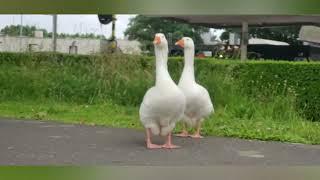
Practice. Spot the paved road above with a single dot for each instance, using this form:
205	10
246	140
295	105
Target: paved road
27	142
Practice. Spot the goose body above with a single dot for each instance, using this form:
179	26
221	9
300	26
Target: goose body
164	104
161	108
198	101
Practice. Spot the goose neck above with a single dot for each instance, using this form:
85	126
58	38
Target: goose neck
188	70
162	74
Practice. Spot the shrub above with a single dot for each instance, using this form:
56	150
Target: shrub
262	80
124	80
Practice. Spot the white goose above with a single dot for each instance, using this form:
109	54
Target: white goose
163	105
198	102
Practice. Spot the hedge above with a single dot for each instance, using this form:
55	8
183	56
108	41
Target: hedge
124	79
301	80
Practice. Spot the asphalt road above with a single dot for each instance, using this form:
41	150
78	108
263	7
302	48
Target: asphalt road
32	142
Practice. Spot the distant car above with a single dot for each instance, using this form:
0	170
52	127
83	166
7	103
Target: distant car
203	54
175	51
300	58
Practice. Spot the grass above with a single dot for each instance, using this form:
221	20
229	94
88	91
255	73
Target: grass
225	122
103	114
107	91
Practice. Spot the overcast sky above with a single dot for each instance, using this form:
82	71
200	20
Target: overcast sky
71	23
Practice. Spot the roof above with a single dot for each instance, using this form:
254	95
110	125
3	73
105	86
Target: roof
310	34
256	41
222	21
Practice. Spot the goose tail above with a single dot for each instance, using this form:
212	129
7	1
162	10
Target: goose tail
167	129
154	129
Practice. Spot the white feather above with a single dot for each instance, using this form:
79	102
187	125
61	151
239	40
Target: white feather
163	105
198	101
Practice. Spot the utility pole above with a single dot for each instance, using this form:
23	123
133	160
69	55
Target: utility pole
112	42
54	32
113	34
20	34
244	41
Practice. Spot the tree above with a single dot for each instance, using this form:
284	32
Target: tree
14	30
287	34
143	29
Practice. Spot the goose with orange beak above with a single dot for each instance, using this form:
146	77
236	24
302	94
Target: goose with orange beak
198	101
163	104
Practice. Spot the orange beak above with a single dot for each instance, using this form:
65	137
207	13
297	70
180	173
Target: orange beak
157	40
180	43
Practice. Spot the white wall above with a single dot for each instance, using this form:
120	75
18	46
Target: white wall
12	44
84	46
129	47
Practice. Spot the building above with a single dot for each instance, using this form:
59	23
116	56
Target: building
246	21
259	48
65	45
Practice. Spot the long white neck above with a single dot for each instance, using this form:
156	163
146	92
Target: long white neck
188	69
162	74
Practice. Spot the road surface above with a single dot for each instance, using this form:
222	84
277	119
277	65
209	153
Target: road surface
33	142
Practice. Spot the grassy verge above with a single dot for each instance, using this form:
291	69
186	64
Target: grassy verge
223	123
103	114
264	100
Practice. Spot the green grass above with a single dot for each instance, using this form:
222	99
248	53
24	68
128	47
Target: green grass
103	114
226	121
253	100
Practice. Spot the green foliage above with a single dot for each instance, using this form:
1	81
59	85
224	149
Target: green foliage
81	79
300	80
255	100
14	30
124	80
77	35
266	123
143	28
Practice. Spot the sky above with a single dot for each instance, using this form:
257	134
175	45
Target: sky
71	24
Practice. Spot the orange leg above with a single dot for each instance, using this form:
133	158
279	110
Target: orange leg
184	132
168	144
150	145
197	135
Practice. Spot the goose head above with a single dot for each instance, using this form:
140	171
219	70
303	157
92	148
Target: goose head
160	41
186	43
